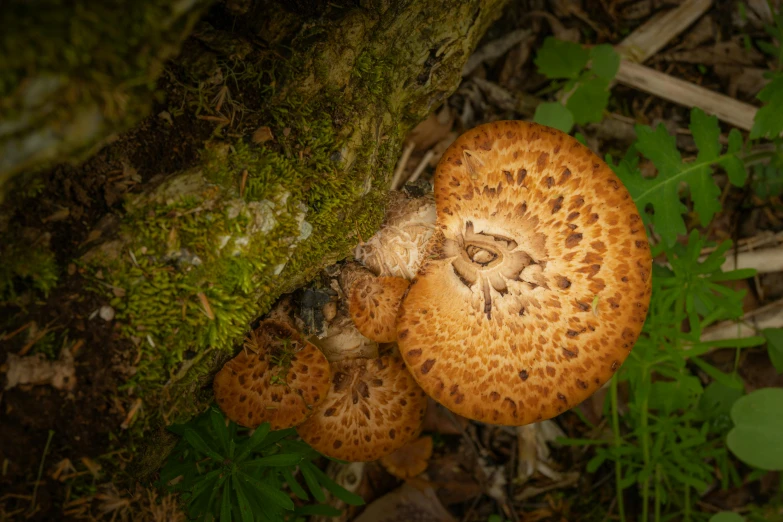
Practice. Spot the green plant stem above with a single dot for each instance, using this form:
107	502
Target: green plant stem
646	454
40	470
618	470
657	493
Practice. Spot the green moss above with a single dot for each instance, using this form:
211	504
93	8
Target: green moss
25	266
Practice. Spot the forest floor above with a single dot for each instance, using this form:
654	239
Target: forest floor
60	450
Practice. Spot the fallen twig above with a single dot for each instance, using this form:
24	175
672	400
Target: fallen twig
751	324
659	30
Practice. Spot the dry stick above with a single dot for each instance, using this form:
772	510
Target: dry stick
684	93
406	154
40	470
421	166
653	36
764	261
657	32
769	316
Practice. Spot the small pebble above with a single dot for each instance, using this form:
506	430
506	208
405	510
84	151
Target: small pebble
106	313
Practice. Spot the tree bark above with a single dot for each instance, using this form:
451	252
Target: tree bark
308	115
75	73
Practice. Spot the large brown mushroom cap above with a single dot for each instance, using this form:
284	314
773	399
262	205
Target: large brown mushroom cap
373	407
278	378
373	305
538	279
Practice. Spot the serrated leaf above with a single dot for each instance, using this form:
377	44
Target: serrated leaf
606	61
588	102
662	192
768	123
774	337
559	59
704	191
555	115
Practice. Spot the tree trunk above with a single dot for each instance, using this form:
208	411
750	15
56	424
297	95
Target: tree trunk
302	120
73	74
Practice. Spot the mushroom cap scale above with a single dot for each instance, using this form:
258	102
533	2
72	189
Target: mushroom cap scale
374	303
278	378
373	407
537	282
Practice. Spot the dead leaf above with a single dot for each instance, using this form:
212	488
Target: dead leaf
37	370
432	130
410	460
411	502
262	135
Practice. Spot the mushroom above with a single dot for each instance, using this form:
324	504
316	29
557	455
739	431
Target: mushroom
397	249
537	279
410	460
343	341
278	378
373	407
374	303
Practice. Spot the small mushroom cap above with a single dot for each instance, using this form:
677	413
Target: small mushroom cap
278	378
410	460
374	303
373	408
537	281
398	248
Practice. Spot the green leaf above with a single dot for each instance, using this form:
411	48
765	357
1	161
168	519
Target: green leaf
245	511
273	495
732	381
312	482
335	489
758	426
225	504
606	61
255	440
195	440
726	516
324	510
735	167
768	123
555	115
282	460
704	191
662	191
559	59
588	102
659	192
774	338
718	399
296	488
219	426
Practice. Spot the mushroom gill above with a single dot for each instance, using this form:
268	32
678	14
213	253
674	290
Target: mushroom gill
532	229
